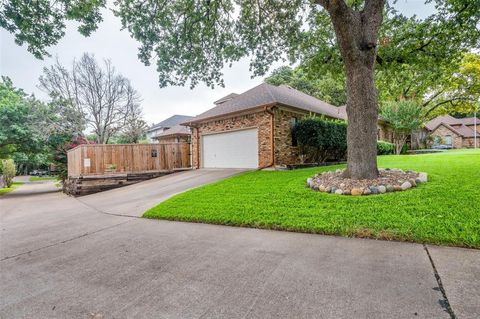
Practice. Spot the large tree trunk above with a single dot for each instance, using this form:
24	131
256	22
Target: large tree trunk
362	122
357	36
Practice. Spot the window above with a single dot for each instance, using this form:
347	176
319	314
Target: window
293	122
448	140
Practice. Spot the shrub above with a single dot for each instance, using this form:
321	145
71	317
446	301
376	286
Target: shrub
385	148
320	140
403	117
7	169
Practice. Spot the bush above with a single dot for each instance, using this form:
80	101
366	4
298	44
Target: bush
7	169
385	148
320	140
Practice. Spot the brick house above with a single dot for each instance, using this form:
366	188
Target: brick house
157	129
453	132
254	129
176	134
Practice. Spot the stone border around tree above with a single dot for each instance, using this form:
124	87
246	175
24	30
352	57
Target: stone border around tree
389	180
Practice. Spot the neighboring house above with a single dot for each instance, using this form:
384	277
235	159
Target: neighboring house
254	129
157	129
176	134
456	133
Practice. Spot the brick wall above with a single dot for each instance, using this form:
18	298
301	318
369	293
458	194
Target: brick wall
443	131
285	152
468	142
260	120
384	133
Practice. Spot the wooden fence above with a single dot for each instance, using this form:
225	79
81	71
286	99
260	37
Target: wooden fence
111	159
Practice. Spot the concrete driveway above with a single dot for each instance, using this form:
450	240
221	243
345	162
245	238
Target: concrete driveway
61	258
135	199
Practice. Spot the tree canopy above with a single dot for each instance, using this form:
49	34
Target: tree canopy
326	87
194	40
19	114
456	91
403	117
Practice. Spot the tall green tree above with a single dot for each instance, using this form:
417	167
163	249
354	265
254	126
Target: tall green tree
18	116
192	40
404	117
460	93
328	87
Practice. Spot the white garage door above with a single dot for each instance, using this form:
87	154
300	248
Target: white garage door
237	149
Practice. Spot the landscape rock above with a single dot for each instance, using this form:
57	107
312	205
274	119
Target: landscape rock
310	182
406	185
356	191
388	180
423	177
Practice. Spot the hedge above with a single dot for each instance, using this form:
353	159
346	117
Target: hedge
7	169
385	148
320	140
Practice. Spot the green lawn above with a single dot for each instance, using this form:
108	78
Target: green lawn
42	178
446	210
6	190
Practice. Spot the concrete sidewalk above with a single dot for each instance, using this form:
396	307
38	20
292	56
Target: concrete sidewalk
61	258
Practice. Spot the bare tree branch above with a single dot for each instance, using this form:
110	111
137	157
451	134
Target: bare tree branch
105	98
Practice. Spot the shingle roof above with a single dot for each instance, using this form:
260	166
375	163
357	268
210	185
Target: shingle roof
465	131
175	130
170	122
225	98
470	121
266	94
463	127
447	119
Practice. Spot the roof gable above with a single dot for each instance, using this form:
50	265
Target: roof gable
266	94
175	130
447	119
170	122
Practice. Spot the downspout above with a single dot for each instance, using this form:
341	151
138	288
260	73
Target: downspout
198	147
268	109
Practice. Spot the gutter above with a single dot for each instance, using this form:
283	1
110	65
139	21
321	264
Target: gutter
198	147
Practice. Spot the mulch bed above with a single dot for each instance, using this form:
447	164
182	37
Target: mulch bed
389	180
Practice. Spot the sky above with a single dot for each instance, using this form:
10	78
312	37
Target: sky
110	42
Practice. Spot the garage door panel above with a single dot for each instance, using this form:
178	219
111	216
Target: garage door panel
237	149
